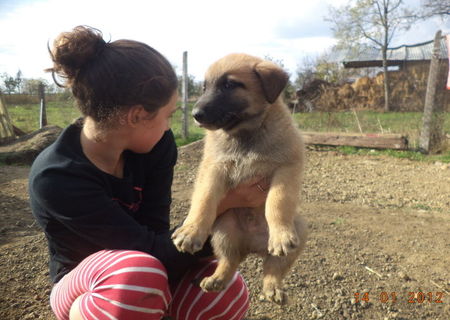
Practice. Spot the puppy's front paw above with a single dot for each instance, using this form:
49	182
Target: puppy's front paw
212	283
281	243
188	238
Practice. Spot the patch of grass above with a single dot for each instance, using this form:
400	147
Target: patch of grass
195	132
420	206
26	117
410	155
338	221
349	150
192	138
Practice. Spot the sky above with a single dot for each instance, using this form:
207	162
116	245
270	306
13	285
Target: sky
285	30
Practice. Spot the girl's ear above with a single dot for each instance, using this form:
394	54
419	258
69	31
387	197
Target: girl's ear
134	115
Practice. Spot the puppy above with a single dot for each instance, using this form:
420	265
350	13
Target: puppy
249	133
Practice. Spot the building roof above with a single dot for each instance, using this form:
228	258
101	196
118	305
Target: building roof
372	57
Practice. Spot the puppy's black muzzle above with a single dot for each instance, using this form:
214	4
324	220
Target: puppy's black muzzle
214	118
219	110
199	115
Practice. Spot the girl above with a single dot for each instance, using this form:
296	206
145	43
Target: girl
102	192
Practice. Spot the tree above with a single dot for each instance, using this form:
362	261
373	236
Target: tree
325	67
12	84
370	21
9	83
306	72
334	72
430	8
19	80
31	86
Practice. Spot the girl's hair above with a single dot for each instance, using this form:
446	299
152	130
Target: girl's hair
107	77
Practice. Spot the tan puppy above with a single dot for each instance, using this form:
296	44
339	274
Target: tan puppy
250	133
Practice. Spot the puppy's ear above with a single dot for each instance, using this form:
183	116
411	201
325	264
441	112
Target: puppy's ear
273	79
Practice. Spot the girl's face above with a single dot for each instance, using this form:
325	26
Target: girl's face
150	127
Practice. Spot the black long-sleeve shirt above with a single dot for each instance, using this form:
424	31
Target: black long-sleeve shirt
83	210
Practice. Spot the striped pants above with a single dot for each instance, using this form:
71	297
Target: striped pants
129	285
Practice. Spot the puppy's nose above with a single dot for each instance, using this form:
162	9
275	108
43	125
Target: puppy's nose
199	114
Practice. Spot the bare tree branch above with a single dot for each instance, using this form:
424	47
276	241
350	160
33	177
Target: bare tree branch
432	8
395	7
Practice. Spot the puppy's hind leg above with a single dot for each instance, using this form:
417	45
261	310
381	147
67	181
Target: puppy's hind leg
275	268
223	274
225	242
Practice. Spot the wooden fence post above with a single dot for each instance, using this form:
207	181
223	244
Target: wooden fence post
6	127
184	92
430	136
43	111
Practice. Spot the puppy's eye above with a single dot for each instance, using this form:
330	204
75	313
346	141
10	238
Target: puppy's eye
231	84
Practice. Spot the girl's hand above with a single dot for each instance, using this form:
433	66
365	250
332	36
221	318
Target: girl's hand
249	194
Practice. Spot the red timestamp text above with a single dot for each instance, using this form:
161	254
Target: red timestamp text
393	297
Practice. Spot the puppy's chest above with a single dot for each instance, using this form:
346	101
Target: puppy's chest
240	167
246	158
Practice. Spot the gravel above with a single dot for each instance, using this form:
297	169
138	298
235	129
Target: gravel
378	233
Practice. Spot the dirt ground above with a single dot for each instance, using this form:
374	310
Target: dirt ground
379	245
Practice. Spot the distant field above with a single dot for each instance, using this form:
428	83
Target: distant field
26	117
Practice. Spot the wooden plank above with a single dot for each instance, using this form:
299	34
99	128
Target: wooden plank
364	140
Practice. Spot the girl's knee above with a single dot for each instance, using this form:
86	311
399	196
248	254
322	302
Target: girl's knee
133	285
75	309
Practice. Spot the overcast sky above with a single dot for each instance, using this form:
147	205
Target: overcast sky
286	30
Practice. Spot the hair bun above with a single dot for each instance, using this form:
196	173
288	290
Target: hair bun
72	50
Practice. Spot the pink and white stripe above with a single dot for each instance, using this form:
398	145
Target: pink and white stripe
129	285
